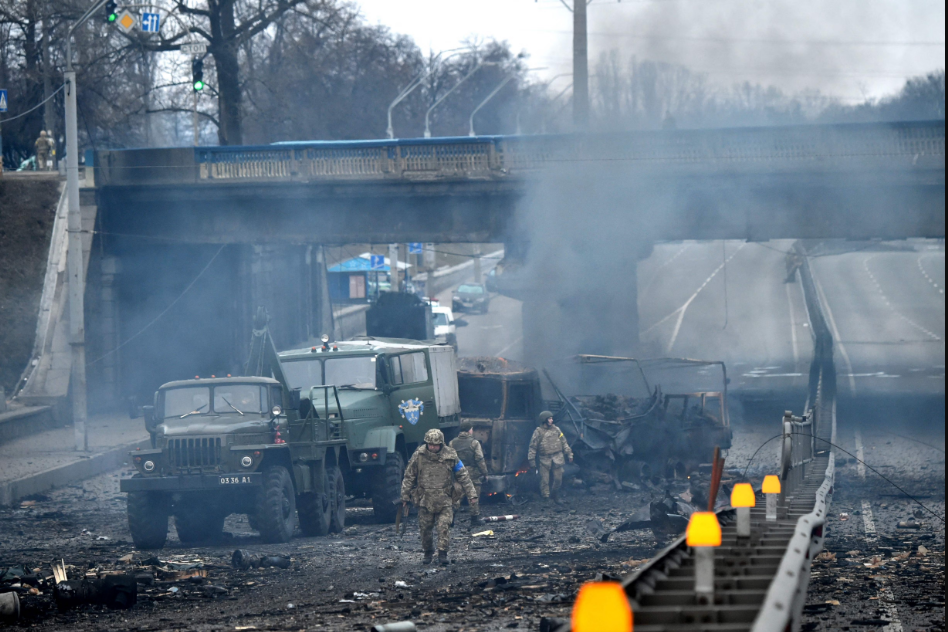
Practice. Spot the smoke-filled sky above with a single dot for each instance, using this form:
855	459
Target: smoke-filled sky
850	49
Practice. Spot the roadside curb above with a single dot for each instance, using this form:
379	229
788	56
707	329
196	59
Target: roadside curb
12	491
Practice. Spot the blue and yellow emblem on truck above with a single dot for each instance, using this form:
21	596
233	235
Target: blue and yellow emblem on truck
411	410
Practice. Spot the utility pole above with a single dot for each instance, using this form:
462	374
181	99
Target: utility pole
74	267
580	67
393	266
477	263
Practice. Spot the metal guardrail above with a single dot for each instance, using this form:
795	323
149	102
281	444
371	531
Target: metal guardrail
495	157
760	582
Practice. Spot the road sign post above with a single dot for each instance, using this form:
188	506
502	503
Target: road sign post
3	108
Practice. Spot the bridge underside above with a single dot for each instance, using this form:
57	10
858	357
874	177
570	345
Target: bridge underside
872	204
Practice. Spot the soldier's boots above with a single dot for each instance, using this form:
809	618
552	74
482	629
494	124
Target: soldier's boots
558	500
443	558
427	559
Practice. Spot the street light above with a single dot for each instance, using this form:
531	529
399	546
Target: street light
484	102
74	250
417	81
448	93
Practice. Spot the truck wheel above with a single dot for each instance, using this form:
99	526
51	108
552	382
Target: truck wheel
337	496
315	510
198	525
388	488
276	505
148	519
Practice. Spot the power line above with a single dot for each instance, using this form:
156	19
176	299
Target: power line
35	107
746	40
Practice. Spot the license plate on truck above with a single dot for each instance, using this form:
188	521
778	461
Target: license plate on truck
236	480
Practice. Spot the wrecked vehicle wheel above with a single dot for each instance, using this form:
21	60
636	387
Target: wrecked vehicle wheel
148	519
194	524
337	498
276	505
315	510
388	488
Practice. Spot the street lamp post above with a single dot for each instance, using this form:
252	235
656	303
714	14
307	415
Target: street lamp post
417	81
448	93
484	102
76	283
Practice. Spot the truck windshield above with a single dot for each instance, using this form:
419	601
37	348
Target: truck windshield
440	319
480	397
228	399
191	399
303	373
354	372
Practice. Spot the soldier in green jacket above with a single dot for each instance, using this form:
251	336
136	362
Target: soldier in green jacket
472	454
549	444
434	478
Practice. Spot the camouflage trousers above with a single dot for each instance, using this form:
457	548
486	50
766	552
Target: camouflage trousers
547	463
429	520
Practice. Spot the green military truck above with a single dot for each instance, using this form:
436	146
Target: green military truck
391	391
336	419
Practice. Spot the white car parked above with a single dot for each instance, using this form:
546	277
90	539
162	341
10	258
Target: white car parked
444	324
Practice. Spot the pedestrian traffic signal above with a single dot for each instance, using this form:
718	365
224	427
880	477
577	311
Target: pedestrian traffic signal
197	74
111	11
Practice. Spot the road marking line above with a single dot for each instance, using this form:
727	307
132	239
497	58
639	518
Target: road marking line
655	276
861	455
918	262
507	348
681	310
867	520
837	339
865	265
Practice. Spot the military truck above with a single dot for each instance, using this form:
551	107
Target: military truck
334	419
391	392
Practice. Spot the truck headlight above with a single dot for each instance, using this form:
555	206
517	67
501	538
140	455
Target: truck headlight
148	466
364	457
246	461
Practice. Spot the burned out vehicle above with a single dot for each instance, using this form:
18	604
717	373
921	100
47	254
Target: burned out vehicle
622	426
334	419
502	399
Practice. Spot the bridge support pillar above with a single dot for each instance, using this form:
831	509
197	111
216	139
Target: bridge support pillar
581	306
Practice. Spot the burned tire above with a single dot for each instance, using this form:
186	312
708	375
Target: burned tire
337	499
276	505
196	524
388	488
148	519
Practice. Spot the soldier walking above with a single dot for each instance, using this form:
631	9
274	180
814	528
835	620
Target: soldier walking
43	146
549	444
472	454
434	479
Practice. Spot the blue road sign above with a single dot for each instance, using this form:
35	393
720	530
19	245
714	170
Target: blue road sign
3	100
377	262
414	248
151	22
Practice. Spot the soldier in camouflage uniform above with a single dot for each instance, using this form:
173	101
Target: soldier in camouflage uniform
471	454
434	478
553	450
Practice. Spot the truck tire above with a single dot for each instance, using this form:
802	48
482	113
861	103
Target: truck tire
315	510
198	525
337	498
276	505
148	519
388	488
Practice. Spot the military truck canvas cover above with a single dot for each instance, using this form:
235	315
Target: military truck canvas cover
444	375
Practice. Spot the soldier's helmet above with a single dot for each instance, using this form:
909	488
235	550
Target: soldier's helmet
43	133
434	436
541	419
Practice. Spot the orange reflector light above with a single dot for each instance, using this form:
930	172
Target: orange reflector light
601	607
771	484
743	496
703	529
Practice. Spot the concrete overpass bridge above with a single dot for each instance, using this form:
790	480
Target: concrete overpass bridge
215	231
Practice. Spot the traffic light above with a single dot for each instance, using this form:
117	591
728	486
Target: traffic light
111	11
197	74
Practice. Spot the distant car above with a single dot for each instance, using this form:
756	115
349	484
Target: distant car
444	326
470	297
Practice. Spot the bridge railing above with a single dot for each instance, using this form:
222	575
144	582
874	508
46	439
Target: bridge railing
491	157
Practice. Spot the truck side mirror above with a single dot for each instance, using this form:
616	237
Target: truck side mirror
148	412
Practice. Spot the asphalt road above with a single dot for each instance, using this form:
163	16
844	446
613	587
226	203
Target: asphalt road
887	312
499	332
692	304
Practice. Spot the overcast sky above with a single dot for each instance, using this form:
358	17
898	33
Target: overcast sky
845	48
